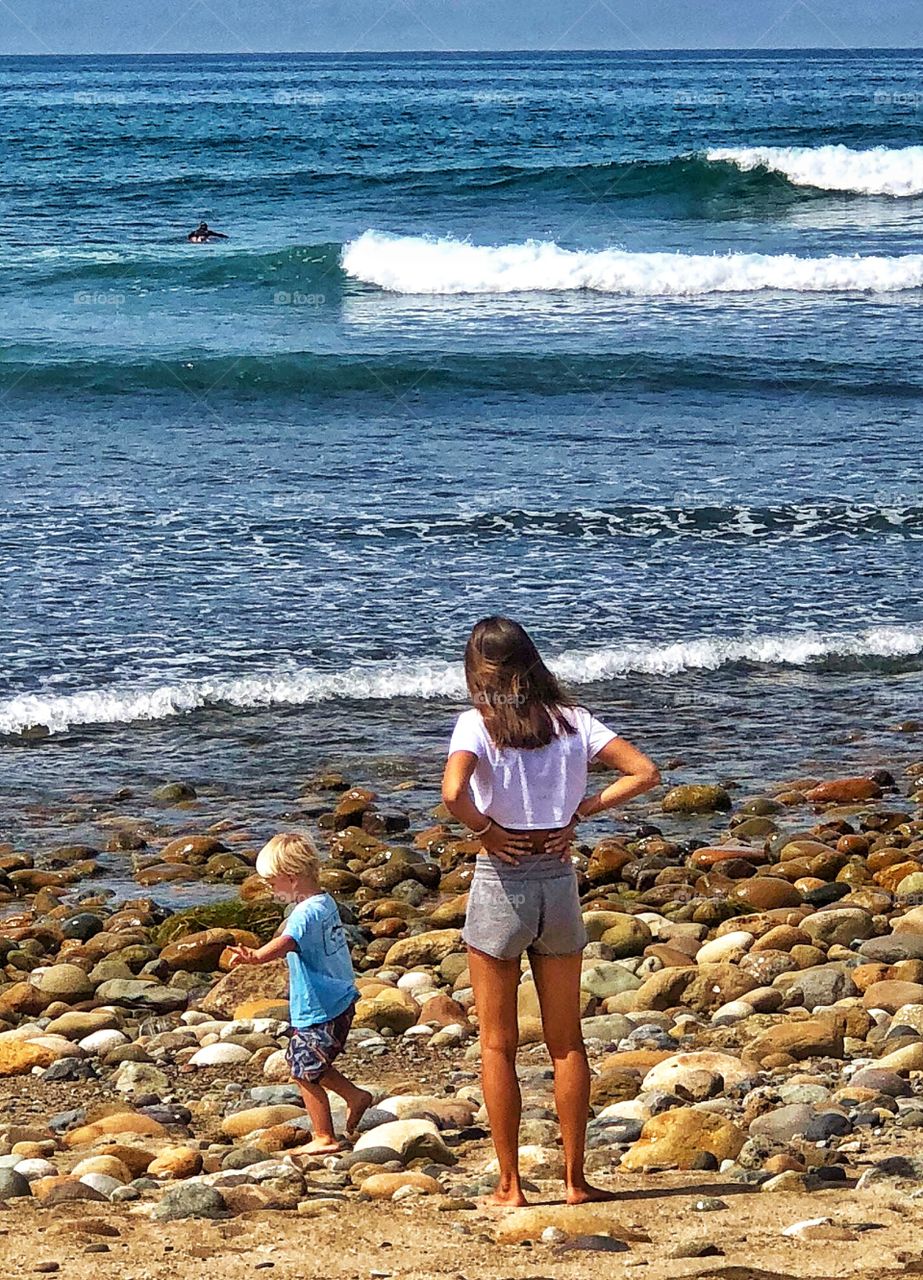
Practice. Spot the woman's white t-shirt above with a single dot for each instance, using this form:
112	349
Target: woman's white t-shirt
528	788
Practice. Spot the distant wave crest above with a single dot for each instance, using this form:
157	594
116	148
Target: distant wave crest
879	171
421	265
436	678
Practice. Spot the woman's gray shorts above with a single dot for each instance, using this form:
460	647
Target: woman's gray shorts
531	907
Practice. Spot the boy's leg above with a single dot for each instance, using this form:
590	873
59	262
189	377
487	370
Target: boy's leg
308	1055
357	1100
318	1108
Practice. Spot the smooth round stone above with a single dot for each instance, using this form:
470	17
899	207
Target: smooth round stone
100	1042
886	1082
82	926
416	982
616	1130
903	945
102	1183
37	1168
827	1125
608	978
242	1157
766	893
841	925
728	947
220	1054
733	1011
274	1095
13	1185
449	1037
63	982
122	1194
368	1155
784	1123
892	995
808	1094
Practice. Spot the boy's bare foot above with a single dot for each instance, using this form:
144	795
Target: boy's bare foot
357	1109
322	1147
585	1194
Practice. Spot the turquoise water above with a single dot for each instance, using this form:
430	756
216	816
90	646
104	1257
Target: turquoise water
627	346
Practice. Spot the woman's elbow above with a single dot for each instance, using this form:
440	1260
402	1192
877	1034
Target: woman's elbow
651	777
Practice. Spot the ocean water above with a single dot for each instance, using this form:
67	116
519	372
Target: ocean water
626	346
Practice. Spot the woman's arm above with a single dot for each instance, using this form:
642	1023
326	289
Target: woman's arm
639	774
457	798
274	950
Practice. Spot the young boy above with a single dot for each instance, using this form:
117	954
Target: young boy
322	986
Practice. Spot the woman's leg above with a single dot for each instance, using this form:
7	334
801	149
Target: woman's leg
495	983
557	981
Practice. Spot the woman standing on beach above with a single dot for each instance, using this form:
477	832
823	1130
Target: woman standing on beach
516	776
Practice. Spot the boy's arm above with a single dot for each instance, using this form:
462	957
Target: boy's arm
272	950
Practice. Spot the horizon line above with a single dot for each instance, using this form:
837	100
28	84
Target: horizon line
361	53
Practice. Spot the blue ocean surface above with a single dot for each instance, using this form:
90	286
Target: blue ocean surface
627	346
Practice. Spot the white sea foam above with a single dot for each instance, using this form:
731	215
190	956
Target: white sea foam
420	265
879	171
435	678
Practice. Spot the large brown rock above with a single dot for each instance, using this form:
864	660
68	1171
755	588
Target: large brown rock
820	1037
192	849
838	925
175	1162
676	1139
664	989
249	982
443	1011
891	995
423	948
606	862
198	952
844	791
18	1057
120	1122
390	1009
382	1186
243	1123
574	1220
22	1000
766	893
696	798
67	982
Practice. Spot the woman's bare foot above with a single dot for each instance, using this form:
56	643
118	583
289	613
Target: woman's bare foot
357	1109
322	1146
585	1194
510	1197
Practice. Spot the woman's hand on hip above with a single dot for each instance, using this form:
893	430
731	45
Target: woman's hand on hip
560	843
508	846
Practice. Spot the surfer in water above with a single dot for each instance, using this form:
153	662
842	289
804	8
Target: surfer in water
203	233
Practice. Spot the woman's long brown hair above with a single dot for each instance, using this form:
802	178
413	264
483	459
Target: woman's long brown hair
518	697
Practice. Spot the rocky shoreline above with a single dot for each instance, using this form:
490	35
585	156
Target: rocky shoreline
753	1009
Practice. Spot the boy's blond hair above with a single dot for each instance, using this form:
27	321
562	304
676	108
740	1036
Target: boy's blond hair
288	854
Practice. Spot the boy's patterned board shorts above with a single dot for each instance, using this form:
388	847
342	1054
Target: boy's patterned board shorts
313	1050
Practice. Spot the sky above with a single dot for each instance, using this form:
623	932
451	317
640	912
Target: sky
255	26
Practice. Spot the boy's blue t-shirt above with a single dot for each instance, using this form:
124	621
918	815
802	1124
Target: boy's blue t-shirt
320	971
